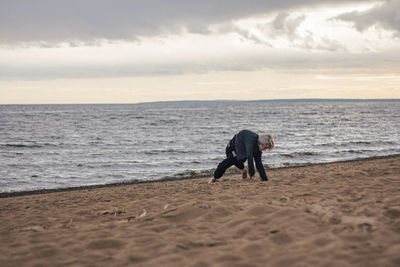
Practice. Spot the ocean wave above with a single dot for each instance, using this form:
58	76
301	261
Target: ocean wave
308	113
297	154
27	145
163	122
193	174
285	165
337	144
351	151
360	151
169	150
359	142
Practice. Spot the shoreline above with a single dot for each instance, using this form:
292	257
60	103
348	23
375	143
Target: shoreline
168	179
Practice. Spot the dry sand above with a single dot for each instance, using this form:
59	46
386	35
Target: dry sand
341	214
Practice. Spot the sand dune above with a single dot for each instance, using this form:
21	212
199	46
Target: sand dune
342	214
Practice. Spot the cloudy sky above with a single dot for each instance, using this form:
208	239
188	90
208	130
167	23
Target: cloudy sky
121	51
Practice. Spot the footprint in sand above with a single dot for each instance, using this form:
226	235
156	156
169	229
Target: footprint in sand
393	213
281	238
44	251
105	244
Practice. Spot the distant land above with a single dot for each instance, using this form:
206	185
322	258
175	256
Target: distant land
279	100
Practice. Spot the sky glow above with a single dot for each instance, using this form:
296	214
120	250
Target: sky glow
303	50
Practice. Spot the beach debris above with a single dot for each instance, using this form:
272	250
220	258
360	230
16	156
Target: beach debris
243	197
104	212
34	228
144	213
206	206
166	206
283	199
114	212
130	218
168	211
274	231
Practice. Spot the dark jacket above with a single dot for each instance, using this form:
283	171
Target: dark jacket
246	147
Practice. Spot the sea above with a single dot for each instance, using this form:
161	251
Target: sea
60	146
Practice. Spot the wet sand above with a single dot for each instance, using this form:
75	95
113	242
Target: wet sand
338	214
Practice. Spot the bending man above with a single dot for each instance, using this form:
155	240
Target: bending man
246	145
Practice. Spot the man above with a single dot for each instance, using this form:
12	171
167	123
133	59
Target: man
246	145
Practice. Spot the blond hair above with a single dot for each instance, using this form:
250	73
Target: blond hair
266	139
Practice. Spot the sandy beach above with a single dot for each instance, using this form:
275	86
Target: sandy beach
338	214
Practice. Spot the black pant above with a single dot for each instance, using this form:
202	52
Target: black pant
228	162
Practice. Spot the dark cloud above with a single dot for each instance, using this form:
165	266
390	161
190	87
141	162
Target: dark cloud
70	20
385	15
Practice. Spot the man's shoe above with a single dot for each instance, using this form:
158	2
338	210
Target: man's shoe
212	180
